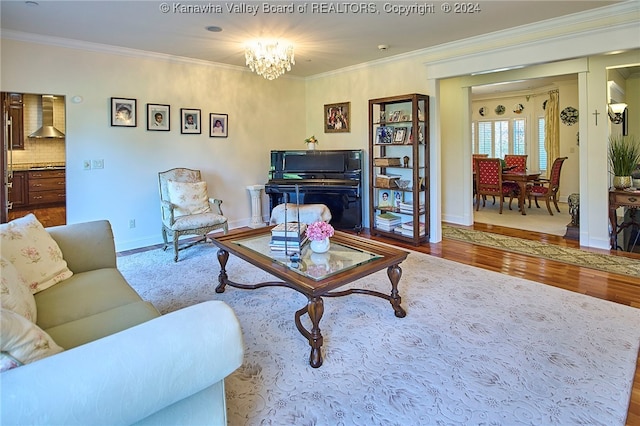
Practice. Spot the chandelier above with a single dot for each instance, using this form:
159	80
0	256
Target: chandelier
269	59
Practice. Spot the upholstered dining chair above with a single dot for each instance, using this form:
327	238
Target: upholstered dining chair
187	209
489	182
517	161
548	188
473	167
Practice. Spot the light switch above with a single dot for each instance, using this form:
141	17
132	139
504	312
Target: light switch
98	164
86	165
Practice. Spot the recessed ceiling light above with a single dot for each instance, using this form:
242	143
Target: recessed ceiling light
32	3
214	28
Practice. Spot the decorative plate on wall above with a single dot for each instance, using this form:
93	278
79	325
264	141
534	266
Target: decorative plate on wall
483	111
500	109
518	108
569	116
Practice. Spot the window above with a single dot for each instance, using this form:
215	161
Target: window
542	152
500	137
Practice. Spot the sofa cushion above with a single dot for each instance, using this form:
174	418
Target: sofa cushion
15	294
84	294
188	197
33	252
22	340
97	326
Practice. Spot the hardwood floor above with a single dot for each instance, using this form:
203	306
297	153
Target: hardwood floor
613	287
47	216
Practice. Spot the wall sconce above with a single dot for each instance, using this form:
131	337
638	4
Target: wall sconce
616	112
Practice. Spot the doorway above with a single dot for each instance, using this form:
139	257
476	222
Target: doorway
34	157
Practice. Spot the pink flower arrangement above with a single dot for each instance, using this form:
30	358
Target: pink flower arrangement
318	231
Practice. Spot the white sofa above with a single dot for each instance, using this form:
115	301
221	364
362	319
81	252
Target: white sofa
123	363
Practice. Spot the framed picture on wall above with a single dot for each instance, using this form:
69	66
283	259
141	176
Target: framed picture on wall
158	117
218	125
190	121
336	117
123	112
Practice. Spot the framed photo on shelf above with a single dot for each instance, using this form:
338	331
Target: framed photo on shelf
190	121
384	135
399	135
398	198
123	112
158	117
336	117
385	198
395	116
218	125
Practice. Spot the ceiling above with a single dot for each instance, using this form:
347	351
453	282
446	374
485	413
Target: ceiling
340	35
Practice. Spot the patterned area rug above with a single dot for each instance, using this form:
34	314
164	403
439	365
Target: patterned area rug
476	347
602	262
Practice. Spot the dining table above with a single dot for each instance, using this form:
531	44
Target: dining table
521	178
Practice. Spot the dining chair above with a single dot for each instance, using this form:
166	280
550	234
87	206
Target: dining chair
547	188
473	167
517	161
489	182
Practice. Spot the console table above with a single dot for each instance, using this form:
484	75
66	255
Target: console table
621	198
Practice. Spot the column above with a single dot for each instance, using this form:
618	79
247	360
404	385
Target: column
256	206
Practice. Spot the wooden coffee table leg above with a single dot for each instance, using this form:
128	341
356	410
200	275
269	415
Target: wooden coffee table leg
223	257
315	311
395	273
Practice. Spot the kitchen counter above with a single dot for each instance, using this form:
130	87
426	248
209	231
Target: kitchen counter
38	166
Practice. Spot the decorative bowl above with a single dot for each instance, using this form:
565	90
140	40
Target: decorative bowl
403	183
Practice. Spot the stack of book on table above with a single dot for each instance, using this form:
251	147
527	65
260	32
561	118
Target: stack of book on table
387	221
406	229
408	208
290	235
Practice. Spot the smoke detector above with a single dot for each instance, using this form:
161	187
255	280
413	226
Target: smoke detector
383	46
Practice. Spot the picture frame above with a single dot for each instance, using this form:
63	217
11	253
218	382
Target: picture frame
385	198
124	112
384	135
399	135
395	116
158	117
218	125
336	117
398	198
190	121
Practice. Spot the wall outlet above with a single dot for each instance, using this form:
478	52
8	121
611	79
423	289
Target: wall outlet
86	165
98	164
132	223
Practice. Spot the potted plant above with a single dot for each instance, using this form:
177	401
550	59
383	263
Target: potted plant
311	142
624	156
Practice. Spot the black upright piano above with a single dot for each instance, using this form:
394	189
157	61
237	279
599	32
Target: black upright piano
329	177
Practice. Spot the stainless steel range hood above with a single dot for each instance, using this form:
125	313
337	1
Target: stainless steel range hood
47	130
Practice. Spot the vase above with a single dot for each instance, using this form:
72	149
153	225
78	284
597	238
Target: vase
311	146
320	246
622	182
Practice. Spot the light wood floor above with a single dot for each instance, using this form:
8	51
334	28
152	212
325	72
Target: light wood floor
616	288
613	287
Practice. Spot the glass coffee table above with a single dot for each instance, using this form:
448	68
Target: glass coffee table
315	275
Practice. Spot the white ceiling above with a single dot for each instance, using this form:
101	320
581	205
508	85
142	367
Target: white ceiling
323	41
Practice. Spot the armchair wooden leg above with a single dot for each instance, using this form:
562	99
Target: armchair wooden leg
555	202
549	206
164	238
175	246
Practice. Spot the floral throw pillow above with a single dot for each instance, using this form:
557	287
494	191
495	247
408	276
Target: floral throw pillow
29	247
22	341
188	197
15	293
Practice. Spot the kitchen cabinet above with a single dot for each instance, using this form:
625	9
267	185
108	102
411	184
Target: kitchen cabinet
46	186
18	190
15	108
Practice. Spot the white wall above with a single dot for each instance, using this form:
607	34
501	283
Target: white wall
263	115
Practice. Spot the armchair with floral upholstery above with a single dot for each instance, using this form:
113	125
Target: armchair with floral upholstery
186	208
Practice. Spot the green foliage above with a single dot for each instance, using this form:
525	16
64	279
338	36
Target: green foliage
624	154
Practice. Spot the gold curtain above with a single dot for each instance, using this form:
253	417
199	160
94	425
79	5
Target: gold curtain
552	128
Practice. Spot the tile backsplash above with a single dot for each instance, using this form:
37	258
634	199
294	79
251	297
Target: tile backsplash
41	150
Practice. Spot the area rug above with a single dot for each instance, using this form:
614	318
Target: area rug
601	262
476	347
